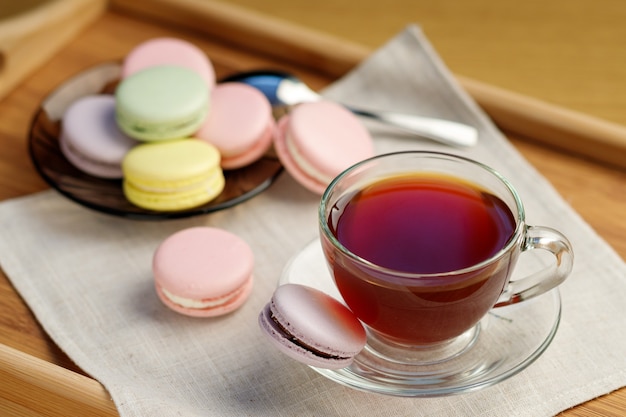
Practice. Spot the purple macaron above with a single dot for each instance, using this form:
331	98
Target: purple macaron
312	327
90	138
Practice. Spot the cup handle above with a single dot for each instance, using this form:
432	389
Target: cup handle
539	237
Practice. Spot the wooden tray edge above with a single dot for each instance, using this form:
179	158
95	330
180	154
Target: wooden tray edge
514	113
29	40
46	383
41	388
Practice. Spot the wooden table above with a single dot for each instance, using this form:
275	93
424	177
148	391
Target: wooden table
567	52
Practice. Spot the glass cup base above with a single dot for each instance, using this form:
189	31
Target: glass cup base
391	352
506	341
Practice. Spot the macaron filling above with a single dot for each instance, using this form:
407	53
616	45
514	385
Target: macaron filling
278	327
174	199
153	130
205	181
202	304
303	164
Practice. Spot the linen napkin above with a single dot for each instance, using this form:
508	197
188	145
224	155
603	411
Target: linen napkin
87	277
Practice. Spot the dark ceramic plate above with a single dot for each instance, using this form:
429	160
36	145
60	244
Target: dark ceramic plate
106	195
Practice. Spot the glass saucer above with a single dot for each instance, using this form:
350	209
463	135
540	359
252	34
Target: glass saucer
106	195
506	341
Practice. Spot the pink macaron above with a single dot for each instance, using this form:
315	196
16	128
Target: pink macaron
203	271
317	141
169	51
240	124
90	138
312	327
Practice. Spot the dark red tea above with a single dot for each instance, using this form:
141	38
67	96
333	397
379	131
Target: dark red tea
421	224
426	224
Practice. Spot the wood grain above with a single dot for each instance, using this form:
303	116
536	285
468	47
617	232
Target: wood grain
532	118
114	34
29	37
35	387
569	53
595	190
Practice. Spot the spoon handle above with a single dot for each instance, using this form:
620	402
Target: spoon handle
445	131
283	89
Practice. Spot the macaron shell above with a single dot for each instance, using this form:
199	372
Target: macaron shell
316	320
169	51
292	167
156	165
204	263
195	196
253	154
240	124
221	310
327	136
90	138
161	103
172	175
276	337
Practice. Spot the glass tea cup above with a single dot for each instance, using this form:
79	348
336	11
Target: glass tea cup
422	245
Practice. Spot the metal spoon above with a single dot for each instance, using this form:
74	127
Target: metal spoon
282	88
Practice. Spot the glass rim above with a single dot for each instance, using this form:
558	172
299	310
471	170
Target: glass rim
519	227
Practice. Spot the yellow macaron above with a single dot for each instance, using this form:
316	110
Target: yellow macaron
172	175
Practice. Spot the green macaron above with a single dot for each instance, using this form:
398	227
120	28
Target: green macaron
161	103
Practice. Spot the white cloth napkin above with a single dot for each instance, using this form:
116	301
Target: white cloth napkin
88	280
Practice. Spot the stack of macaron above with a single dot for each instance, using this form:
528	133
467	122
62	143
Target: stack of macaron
168	130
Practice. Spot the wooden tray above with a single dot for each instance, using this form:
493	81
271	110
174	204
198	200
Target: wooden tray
31	32
36	378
